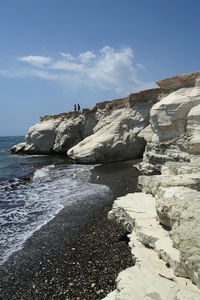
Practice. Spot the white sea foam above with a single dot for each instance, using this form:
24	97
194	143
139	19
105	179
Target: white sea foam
21	237
26	207
42	172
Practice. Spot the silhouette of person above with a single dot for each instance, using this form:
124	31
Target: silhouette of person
74	107
79	107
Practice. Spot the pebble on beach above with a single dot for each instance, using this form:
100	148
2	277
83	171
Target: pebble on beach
83	265
85	268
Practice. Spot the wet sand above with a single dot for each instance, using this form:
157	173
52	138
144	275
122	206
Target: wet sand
79	253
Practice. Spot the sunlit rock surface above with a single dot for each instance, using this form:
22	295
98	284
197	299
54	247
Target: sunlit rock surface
159	270
173	133
107	132
163	219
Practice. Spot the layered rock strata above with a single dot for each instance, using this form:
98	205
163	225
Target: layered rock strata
166	118
116	135
173	133
167	121
163	220
107	132
158	269
178	208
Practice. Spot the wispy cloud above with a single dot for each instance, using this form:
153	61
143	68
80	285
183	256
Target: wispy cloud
36	61
109	69
67	66
67	55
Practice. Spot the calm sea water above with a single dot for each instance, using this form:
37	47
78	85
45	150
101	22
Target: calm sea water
26	204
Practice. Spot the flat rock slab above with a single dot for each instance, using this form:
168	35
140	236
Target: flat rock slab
140	283
156	260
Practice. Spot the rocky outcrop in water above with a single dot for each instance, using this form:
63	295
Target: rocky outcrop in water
166	119
58	133
107	132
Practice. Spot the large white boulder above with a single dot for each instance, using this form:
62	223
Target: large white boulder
117	133
55	133
40	138
58	133
115	138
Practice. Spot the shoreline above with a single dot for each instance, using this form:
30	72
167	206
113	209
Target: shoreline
80	264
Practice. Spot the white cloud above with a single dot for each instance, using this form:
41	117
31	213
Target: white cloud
36	61
109	69
82	57
67	66
86	56
67	55
114	68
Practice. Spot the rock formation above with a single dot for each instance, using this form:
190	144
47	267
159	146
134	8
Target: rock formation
107	132
159	269
58	133
116	135
119	129
166	118
173	133
163	220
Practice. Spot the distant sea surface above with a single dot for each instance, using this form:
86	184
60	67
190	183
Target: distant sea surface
33	189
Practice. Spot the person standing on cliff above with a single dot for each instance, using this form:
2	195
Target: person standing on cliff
74	107
79	107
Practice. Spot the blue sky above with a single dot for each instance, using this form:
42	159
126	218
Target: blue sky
54	53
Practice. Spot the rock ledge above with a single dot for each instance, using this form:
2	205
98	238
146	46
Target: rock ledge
157	270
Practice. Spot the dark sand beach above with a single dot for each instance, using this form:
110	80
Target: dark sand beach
79	253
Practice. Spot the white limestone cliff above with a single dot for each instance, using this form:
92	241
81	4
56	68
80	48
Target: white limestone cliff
107	132
173	133
163	220
159	271
167	121
116	135
166	118
57	133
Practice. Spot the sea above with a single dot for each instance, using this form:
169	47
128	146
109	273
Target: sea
33	189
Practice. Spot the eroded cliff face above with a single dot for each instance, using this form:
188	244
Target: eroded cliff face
167	119
107	132
58	133
163	219
116	135
173	133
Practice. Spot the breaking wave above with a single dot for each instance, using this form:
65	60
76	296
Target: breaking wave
25	206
